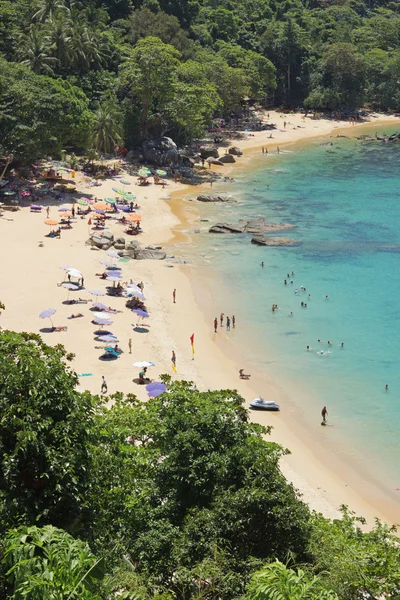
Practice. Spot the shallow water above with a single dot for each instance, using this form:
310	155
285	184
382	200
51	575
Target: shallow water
345	202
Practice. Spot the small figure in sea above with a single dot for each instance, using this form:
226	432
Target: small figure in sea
233	321
309	349
262	264
288	275
327	297
387	387
329	343
302	304
309	296
305	305
290	314
284	282
215	325
228	324
291	281
324	413
266	152
292	273
221	319
262	149
277	149
341	344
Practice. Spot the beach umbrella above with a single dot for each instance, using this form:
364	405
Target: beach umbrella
129	196
114	189
155	389
134	288
109	338
99	306
66	268
67	214
161	172
51	222
113	278
47	314
8	192
82	202
137	295
113	254
134	218
100	206
101	321
75	273
144	173
143	363
125	182
71	287
109	264
63	210
141	313
110	200
100	315
97	293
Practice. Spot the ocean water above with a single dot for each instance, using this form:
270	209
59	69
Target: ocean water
345	202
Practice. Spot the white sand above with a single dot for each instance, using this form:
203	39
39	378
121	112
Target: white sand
30	276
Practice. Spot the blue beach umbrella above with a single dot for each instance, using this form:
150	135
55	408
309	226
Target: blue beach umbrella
109	338
47	314
124	182
155	389
99	321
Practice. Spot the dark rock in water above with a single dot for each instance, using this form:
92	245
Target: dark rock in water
215	161
147	254
227	158
226	228
326	144
208	152
214	198
235	150
161	152
340	135
261	240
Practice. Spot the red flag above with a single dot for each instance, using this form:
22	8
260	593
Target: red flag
192	339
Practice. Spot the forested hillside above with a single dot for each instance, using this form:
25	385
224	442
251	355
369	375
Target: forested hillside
96	73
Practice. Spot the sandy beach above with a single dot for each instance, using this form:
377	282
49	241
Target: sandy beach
31	285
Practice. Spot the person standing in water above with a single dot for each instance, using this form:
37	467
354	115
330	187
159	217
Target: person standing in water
233	321
324	413
262	264
228	324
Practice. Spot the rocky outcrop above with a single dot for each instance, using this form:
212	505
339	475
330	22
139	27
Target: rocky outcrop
103	240
256	226
227	158
215	161
208	152
226	228
235	150
214	198
134	250
161	152
262	240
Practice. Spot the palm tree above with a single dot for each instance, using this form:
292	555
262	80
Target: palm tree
107	130
34	52
59	38
277	582
48	9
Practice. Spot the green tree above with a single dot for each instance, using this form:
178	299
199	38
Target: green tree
47	563
353	563
35	53
45	425
107	130
39	115
277	582
48	9
149	73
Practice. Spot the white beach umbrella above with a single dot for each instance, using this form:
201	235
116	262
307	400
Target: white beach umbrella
143	363
75	273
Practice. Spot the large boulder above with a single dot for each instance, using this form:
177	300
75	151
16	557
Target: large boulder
225	228
214	198
215	161
227	158
260	226
235	150
148	254
262	240
208	152
103	240
161	152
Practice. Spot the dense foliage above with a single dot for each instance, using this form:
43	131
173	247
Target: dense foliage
169	66
178	497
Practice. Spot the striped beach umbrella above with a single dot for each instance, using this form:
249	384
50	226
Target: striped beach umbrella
161	172
82	202
144	173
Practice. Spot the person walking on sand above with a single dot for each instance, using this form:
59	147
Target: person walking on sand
233	321
215	325
48	211
104	387
174	296
324	413
130	345
228	324
221	319
173	358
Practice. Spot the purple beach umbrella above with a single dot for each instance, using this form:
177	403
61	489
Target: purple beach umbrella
99	321
97	293
141	313
99	306
109	338
155	389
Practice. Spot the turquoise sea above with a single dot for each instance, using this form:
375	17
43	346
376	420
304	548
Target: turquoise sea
345	202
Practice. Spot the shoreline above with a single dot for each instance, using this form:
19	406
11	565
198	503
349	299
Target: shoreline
324	479
324	483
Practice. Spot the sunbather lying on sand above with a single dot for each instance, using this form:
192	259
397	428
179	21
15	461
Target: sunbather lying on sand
244	375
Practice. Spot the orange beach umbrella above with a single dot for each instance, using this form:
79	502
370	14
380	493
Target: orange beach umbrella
134	218
51	223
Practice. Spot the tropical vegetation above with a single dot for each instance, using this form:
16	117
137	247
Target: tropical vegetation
115	71
179	497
